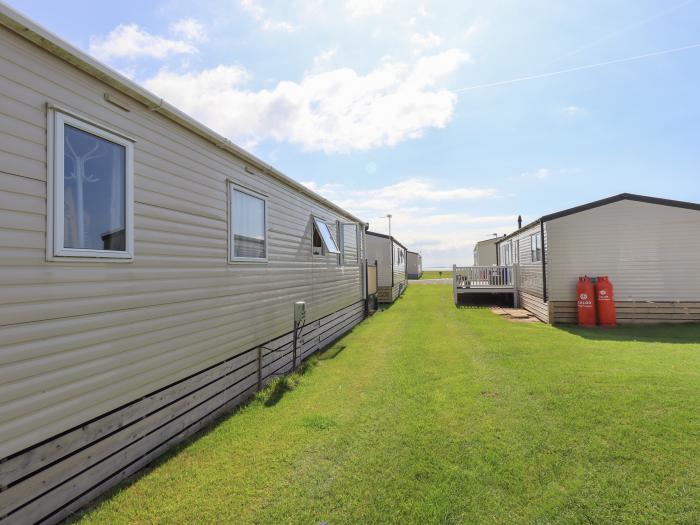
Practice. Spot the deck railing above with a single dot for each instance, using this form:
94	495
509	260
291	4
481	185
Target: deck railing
483	276
485	279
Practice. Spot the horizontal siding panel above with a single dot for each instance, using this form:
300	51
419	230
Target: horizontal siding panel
535	305
650	252
79	339
18	185
19	165
22	221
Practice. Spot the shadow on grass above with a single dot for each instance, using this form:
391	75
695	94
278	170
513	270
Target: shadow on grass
268	397
275	391
661	333
332	352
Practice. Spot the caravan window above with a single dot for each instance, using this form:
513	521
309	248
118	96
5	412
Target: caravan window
248	223
91	191
506	254
536	247
323	242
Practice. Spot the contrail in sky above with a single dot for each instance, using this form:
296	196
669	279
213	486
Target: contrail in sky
577	68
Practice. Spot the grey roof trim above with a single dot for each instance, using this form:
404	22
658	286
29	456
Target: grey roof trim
58	47
385	236
622	197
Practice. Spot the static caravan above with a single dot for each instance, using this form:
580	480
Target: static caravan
485	252
390	257
414	265
648	247
149	271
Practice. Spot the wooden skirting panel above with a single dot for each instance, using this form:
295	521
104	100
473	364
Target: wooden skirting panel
389	294
535	305
637	312
51	480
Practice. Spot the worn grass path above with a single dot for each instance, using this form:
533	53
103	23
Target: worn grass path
431	414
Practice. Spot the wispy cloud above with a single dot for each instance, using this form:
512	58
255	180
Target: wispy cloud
542	174
475	27
268	23
190	29
426	40
360	8
398	196
573	110
417	219
336	111
322	60
132	42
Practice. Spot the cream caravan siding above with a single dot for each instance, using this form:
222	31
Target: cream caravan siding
530	272
399	266
80	339
414	264
379	249
485	252
650	252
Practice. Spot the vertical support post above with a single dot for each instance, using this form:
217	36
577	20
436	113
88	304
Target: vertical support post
259	368
294	348
366	289
454	282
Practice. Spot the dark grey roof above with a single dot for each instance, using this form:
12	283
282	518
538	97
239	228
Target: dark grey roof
603	202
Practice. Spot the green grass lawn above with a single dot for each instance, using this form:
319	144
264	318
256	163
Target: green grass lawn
435	274
431	414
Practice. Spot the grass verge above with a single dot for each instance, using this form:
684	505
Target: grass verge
427	413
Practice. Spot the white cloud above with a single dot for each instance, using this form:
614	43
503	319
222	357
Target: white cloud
474	28
573	110
540	174
426	40
547	173
268	23
322	59
190	29
397	196
360	8
418	220
130	41
334	111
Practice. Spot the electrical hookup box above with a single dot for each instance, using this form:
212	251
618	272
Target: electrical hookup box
299	312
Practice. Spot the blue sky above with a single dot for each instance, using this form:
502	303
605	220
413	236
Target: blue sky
363	100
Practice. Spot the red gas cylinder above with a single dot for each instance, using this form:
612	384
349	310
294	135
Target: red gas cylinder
585	294
605	302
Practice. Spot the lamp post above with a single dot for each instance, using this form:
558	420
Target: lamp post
389	217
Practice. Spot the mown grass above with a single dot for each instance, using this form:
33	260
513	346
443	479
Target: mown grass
437	274
431	414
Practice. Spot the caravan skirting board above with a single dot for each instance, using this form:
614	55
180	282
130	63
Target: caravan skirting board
389	294
51	480
634	312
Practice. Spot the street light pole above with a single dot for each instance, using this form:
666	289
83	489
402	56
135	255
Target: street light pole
389	217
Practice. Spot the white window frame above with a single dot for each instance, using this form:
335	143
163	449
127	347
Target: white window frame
58	118
317	223
232	259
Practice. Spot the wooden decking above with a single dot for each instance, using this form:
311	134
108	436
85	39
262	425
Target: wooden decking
484	280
